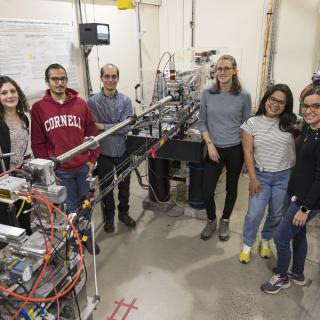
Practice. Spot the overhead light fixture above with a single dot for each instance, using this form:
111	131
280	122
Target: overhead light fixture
125	4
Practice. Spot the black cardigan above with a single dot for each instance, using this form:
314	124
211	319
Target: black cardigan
305	179
5	142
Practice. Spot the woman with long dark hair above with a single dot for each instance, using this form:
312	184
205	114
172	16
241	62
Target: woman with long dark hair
269	153
14	132
304	192
224	107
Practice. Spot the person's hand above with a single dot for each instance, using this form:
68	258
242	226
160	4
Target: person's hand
213	153
254	187
300	219
91	167
100	126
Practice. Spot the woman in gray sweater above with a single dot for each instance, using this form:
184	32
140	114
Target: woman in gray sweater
224	107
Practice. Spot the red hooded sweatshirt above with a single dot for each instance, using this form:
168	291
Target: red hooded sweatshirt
57	128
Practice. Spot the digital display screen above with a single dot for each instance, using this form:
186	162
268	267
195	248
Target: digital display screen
94	34
103	32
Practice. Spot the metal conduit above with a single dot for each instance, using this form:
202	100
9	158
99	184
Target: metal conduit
93	142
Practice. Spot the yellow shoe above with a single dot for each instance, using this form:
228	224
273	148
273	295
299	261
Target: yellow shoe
264	249
245	254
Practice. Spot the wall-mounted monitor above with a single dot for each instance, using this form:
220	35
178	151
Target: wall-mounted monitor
94	33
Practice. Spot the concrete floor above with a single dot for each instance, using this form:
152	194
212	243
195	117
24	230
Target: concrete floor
174	275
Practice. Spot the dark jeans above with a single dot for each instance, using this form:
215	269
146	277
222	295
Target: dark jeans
106	167
286	232
77	186
232	158
77	189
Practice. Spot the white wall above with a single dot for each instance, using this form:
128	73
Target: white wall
150	31
43	10
297	43
123	50
233	26
237	27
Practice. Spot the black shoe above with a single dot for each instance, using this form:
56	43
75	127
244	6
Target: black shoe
89	245
275	284
296	278
127	220
109	226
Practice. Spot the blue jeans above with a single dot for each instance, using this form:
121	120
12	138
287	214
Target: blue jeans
77	186
286	232
274	195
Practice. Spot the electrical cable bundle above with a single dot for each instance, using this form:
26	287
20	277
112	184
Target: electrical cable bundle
39	199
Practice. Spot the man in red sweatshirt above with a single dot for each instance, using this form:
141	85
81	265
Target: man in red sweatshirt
60	121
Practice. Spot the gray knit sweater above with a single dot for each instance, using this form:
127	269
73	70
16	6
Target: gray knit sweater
222	114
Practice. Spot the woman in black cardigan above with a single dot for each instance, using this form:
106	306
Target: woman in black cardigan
304	192
14	133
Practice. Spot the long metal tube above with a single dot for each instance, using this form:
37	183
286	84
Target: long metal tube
192	23
152	146
138	21
94	141
272	50
82	55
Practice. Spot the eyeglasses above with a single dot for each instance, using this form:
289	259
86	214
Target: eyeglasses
110	76
274	101
225	69
57	79
313	107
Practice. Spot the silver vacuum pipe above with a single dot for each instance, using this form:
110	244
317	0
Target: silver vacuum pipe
93	142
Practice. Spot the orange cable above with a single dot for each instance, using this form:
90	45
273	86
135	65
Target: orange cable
50	206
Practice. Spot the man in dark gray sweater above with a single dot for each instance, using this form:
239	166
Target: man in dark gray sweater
110	107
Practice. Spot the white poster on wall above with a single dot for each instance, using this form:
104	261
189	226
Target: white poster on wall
28	47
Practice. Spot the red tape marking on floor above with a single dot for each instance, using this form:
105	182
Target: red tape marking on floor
120	304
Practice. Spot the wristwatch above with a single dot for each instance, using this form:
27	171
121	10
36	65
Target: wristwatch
304	209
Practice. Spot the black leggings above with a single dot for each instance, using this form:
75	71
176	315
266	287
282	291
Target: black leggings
232	158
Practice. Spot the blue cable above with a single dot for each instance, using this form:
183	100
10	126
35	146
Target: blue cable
23	313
